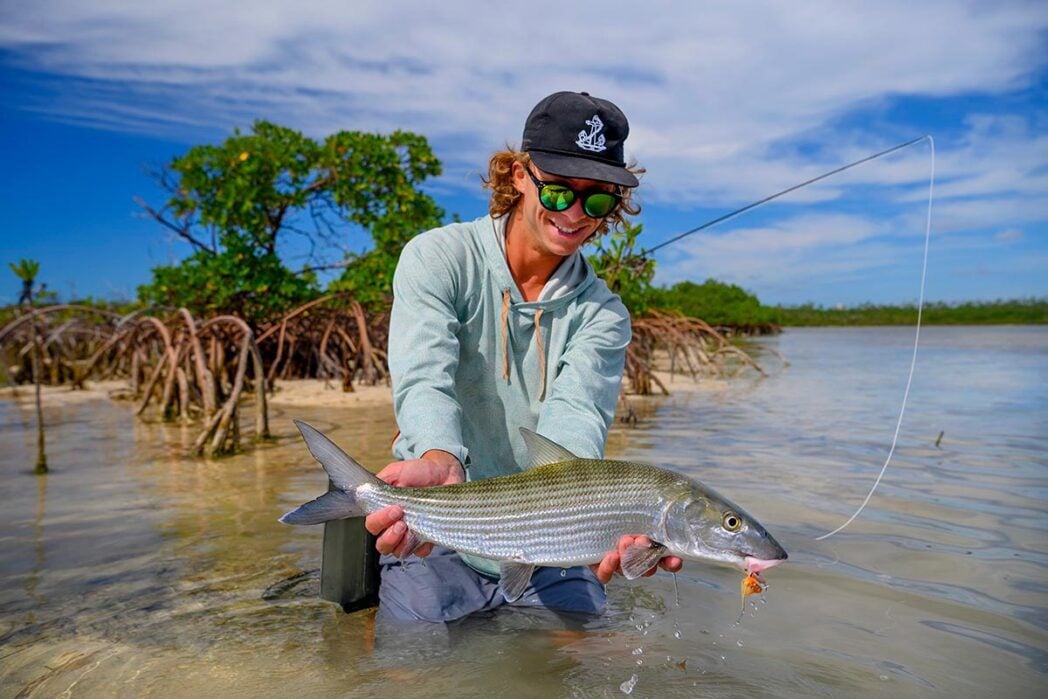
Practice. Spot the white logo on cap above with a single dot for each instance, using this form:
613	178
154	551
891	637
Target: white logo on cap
592	140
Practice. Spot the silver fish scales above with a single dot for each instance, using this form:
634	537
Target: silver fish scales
561	514
563	511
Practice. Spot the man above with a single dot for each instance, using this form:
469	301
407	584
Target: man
501	323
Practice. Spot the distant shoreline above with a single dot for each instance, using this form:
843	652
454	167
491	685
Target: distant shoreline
1032	311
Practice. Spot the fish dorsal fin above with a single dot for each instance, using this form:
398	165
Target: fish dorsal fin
542	451
514	578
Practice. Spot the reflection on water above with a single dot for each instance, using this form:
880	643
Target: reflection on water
131	571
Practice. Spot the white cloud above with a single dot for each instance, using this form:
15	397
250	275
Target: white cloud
728	101
996	155
991	212
710	89
789	253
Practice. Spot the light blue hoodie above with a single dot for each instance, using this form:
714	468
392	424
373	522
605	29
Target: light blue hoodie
472	361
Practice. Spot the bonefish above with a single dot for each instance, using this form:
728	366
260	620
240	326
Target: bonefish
562	511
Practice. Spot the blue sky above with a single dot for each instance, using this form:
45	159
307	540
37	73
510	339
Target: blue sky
728	102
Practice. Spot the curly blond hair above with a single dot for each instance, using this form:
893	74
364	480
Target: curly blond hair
504	195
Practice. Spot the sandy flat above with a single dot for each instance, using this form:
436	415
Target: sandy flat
683	383
312	392
295	393
328	394
64	395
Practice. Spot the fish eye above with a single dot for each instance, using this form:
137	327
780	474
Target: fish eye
731	521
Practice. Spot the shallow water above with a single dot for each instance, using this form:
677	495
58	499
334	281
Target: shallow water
131	571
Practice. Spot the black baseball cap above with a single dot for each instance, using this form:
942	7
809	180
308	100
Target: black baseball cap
573	134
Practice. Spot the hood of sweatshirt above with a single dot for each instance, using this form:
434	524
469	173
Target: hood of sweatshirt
570	279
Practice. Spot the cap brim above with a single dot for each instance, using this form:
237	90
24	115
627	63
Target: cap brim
582	168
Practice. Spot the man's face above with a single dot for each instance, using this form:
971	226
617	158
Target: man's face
557	233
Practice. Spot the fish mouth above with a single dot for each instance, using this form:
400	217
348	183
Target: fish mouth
756	565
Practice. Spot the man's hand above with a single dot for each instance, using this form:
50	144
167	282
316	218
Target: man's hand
436	467
611	564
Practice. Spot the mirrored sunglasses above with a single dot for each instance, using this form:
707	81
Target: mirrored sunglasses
555	196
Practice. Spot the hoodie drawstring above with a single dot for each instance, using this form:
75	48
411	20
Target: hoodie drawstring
542	352
538	343
505	335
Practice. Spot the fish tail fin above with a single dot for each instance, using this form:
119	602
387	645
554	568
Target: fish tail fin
344	472
336	504
346	476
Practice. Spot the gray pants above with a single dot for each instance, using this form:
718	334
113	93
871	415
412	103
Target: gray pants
444	588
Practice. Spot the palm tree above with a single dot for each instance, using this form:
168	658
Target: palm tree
26	270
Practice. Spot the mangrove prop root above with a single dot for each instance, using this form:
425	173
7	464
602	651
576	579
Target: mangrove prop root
199	371
674	340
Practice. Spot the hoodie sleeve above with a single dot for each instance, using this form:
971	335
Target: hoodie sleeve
424	352
581	405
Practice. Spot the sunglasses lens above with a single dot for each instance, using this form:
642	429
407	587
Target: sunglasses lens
556	198
599	205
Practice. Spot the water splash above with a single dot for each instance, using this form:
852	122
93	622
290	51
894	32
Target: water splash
627	686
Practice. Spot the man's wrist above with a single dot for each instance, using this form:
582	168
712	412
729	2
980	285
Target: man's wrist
446	459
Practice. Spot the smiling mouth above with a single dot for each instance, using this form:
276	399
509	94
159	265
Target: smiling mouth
567	231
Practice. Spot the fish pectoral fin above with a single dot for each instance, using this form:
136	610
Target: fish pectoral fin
411	541
639	559
514	578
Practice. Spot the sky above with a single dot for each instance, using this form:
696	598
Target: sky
728	103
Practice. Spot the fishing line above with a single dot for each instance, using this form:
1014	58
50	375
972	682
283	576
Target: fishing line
920	302
765	200
916	343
